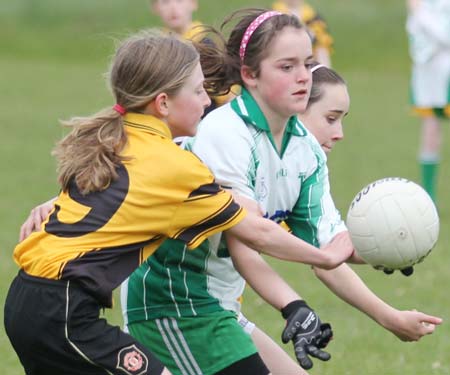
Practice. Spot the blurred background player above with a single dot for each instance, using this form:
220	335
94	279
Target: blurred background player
428	27
317	27
177	16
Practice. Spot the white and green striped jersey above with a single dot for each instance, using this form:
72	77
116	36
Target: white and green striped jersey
290	185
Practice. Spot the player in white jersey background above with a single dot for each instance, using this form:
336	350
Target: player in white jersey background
428	27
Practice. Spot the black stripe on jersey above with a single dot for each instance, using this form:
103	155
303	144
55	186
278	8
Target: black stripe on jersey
140	126
214	214
219	218
103	204
88	271
207	189
63	264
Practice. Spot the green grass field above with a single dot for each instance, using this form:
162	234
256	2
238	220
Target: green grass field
53	56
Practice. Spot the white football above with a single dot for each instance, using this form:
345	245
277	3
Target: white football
393	223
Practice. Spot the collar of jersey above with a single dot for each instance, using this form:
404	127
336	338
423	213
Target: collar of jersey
247	109
147	123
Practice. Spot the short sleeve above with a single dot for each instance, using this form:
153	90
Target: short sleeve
224	143
315	218
207	208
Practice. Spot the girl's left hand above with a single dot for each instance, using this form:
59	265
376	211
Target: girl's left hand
36	217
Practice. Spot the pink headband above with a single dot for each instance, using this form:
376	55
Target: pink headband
251	29
119	109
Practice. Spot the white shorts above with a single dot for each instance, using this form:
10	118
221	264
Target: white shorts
430	82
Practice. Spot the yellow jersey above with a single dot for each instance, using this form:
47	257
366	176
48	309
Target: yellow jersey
162	192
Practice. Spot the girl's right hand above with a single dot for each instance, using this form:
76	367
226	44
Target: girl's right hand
37	215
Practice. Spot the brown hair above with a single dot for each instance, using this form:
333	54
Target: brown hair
320	76
143	66
220	58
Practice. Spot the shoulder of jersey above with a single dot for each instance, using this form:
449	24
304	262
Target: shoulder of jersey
222	117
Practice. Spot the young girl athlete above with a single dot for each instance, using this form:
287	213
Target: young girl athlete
125	188
327	106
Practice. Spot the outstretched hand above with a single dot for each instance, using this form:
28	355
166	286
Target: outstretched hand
412	325
37	215
308	334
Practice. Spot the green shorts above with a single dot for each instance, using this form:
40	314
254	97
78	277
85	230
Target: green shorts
195	345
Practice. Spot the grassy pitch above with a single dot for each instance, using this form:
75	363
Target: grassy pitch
53	56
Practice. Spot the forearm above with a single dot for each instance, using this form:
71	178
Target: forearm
349	287
269	238
262	278
406	325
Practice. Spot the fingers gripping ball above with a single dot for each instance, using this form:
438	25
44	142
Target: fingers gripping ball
408	271
308	334
393	224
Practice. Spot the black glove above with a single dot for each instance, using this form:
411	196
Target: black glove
408	271
306	331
